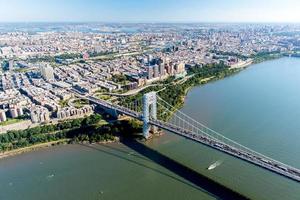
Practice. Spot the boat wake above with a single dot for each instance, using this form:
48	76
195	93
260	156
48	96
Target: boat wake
50	176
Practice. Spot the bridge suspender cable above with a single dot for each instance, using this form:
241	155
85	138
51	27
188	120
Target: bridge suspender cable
205	136
222	137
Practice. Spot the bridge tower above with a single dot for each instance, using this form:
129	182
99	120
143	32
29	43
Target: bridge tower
149	111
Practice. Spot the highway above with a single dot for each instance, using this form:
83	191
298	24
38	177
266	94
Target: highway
253	158
271	165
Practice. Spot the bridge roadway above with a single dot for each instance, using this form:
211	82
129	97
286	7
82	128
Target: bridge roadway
271	165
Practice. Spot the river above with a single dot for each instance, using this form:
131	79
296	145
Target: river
258	107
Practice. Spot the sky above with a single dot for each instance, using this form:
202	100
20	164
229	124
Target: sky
149	11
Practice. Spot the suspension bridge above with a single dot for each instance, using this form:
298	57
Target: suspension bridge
181	124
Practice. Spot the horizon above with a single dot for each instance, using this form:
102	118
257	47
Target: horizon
146	22
150	11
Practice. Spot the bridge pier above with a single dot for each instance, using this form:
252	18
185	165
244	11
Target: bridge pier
149	111
206	136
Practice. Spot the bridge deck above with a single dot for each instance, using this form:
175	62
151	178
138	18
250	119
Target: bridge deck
271	165
278	168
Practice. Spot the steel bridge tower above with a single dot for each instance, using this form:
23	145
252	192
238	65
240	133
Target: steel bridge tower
149	111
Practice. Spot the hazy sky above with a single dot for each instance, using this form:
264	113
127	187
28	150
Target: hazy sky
151	10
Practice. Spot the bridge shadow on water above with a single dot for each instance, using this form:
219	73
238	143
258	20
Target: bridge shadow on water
188	176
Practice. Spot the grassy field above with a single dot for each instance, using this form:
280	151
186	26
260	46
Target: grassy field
80	103
10	121
103	97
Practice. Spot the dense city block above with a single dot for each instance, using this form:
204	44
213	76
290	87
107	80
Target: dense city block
43	70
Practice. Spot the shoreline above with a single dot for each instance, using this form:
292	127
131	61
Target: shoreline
236	70
243	65
15	152
205	81
117	139
36	147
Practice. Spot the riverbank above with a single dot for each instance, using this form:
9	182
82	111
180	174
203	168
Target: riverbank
242	64
262	57
32	148
174	92
175	95
257	59
35	147
218	75
90	129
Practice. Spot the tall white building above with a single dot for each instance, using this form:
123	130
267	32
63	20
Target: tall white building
162	70
15	111
11	65
2	116
47	72
150	72
155	71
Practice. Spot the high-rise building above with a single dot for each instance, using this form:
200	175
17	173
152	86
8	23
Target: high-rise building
34	117
2	116
150	72
20	111
11	65
156	71
180	68
170	69
39	114
162	70
150	58
47	72
13	112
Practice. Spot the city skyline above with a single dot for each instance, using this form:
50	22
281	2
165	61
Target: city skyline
275	11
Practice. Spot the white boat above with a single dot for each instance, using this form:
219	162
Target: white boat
50	176
214	165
